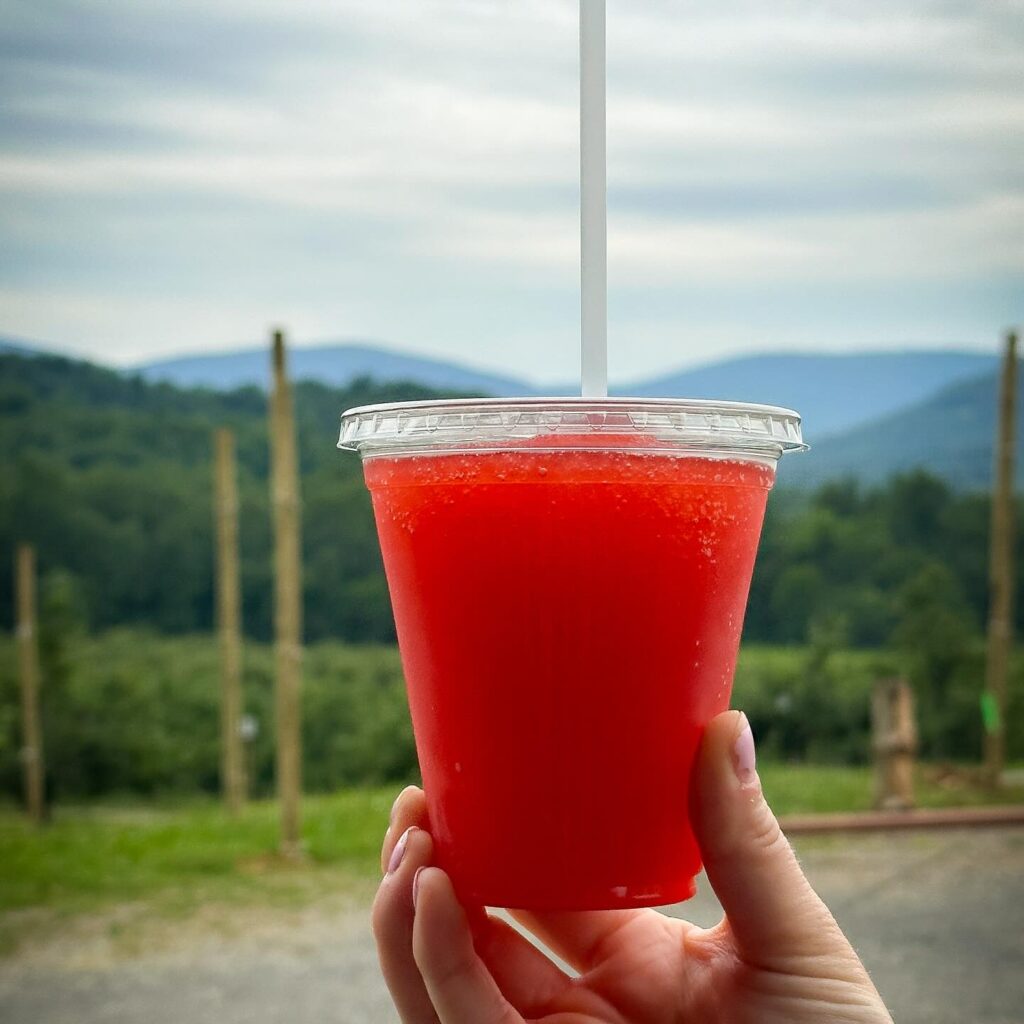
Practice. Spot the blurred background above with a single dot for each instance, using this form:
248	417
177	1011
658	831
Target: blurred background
813	205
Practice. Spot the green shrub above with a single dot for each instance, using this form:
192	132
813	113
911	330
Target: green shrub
131	711
138	712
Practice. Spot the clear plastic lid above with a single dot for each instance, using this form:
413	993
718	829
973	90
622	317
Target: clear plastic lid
556	424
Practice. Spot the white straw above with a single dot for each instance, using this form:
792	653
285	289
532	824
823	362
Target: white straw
593	201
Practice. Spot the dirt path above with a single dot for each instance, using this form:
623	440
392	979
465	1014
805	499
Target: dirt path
936	916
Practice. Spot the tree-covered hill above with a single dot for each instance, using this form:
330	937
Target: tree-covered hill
111	478
950	433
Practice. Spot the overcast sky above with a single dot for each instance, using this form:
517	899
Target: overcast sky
178	175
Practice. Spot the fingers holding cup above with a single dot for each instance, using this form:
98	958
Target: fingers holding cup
409	810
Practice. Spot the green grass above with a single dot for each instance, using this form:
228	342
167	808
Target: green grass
89	857
821	789
806	789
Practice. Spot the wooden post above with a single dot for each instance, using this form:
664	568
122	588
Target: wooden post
28	670
287	602
232	770
1001	574
895	744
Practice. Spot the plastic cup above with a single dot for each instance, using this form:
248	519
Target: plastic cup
569	579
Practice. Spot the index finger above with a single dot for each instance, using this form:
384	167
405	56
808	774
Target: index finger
409	810
581	938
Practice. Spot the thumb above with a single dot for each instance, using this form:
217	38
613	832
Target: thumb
774	914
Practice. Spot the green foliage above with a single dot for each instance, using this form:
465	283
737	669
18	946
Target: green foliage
810	703
931	631
133	711
850	552
111	479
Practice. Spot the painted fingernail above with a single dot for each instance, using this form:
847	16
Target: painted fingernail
744	757
398	852
416	886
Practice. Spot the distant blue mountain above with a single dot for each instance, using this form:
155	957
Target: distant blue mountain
866	415
20	347
336	364
950	434
831	392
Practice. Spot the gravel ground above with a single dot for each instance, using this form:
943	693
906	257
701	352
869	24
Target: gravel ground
937	918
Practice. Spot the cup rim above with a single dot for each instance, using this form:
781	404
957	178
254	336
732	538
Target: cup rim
434	426
611	400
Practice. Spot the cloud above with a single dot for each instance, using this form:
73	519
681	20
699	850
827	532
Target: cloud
407	170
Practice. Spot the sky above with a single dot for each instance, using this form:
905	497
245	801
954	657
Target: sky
180	175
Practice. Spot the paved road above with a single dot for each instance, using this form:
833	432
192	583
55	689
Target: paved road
937	918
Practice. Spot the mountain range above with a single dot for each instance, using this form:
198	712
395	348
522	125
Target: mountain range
831	392
334	364
866	415
950	434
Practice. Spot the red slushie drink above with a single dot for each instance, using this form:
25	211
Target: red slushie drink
569	581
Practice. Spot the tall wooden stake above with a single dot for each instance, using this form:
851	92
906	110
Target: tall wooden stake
232	769
1001	574
895	744
28	670
287	602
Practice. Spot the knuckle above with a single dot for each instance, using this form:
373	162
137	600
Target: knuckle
409	795
767	835
383	913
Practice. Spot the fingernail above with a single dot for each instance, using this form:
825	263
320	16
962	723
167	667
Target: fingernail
416	886
394	807
744	756
398	852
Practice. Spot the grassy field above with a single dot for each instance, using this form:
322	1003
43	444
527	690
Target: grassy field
90	856
810	789
179	858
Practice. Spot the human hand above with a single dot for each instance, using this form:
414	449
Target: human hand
777	956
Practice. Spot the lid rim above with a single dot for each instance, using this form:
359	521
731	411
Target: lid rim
612	401
469	422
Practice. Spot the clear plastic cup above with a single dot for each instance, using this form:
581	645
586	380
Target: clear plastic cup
569	579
